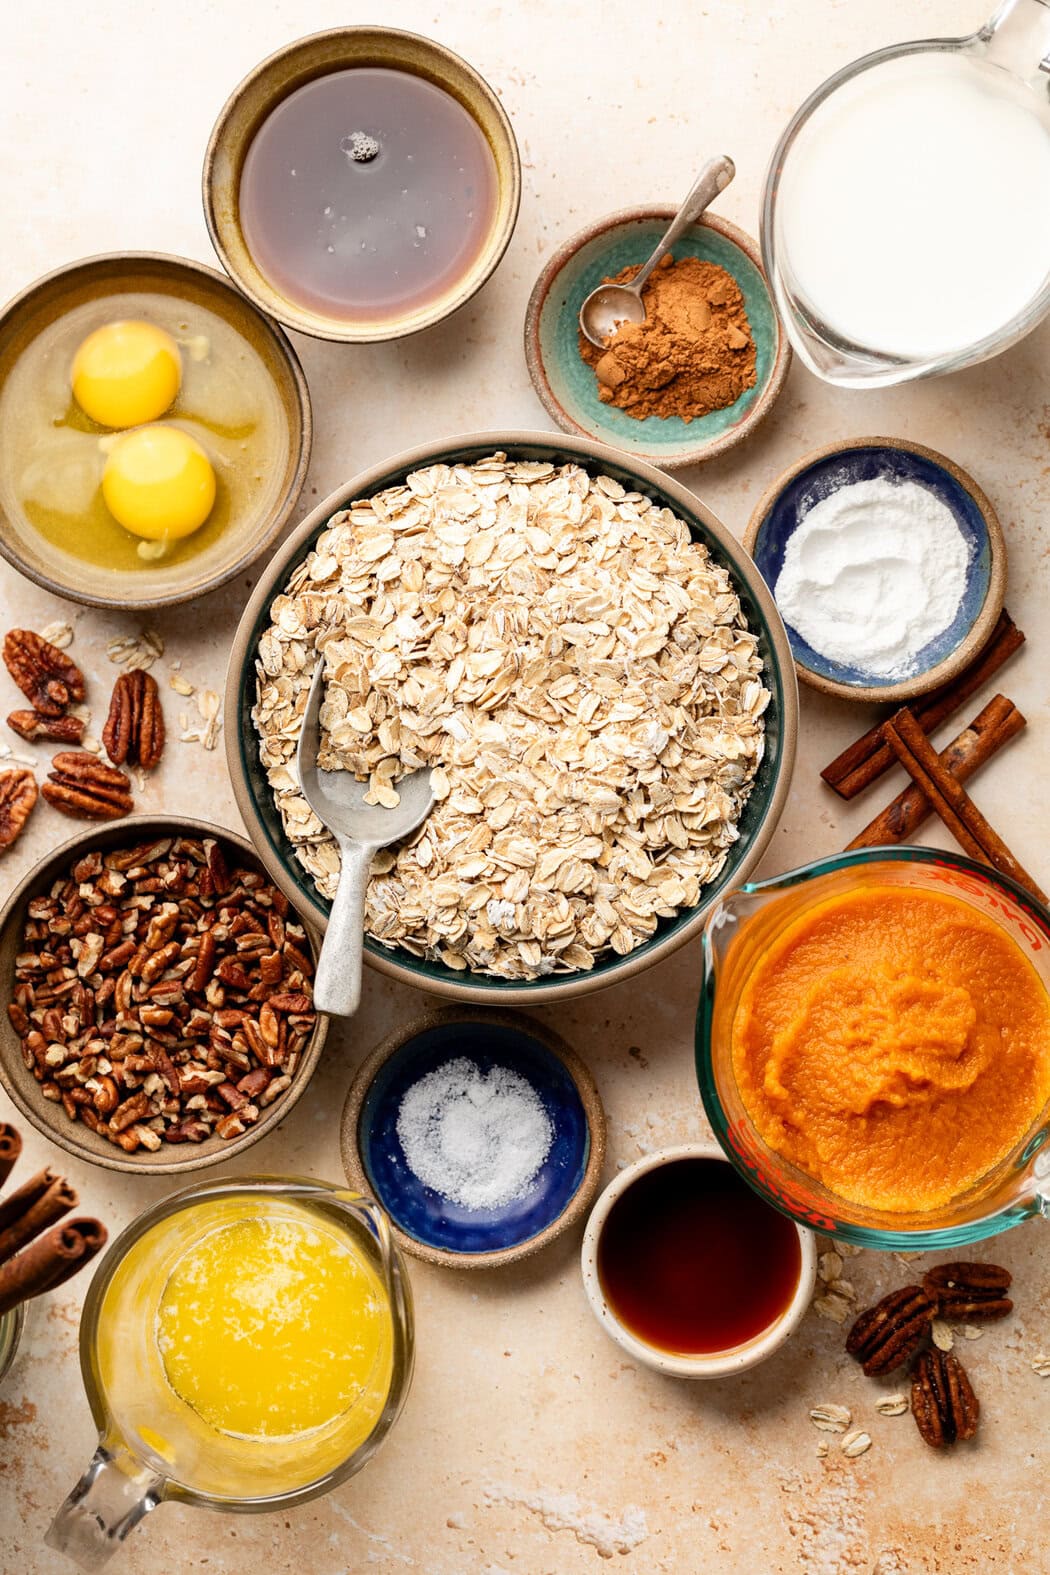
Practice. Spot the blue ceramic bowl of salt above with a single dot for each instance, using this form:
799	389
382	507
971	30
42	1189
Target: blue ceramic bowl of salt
816	476
534	1094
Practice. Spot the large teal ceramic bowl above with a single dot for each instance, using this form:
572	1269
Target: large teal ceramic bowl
761	812
567	385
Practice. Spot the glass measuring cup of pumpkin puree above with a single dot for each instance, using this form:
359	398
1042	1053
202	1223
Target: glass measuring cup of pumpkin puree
245	1345
992	1169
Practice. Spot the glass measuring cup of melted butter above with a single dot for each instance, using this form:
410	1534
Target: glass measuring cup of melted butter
245	1345
906	221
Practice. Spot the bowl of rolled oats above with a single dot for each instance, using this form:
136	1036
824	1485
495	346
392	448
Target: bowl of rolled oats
589	664
159	992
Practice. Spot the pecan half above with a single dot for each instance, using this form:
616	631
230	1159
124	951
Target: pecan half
965	1291
80	785
30	725
134	730
943	1403
43	673
884	1336
17	798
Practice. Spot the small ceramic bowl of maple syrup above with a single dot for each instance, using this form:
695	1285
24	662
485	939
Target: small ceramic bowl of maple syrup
689	1270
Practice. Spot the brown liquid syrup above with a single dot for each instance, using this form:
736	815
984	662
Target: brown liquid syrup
367	194
693	1262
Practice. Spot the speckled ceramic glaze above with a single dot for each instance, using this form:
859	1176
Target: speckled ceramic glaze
761	813
432	1226
817	476
248	534
567	385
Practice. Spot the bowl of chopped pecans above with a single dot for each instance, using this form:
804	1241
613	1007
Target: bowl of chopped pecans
160	996
589	664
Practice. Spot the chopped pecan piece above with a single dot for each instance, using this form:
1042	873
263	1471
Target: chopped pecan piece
43	673
943	1403
17	798
884	1336
965	1291
134	730
31	726
82	786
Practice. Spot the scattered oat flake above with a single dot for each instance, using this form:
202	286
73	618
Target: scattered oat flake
835	1308
855	1444
58	634
892	1405
941	1335
830	1265
970	1331
91	744
1041	1364
831	1418
181	686
822	1448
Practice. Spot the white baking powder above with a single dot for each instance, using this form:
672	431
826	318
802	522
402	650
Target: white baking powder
872	574
477	1138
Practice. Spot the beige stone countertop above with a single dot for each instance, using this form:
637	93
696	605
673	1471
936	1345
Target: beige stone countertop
530	1445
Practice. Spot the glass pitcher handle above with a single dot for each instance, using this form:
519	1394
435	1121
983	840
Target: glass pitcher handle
109	1501
1017	38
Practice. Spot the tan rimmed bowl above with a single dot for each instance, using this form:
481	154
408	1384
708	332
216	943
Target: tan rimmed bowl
761	813
22	1087
246	537
781	506
254	99
442	1233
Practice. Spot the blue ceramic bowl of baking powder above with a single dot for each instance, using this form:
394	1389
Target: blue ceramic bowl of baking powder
815	477
432	1226
567	385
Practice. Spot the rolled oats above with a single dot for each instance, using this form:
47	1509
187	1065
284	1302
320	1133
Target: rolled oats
577	672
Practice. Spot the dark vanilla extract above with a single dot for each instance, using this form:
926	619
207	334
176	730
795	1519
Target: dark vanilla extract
692	1261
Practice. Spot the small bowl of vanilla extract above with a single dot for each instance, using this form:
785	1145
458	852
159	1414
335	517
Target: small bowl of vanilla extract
361	184
689	1270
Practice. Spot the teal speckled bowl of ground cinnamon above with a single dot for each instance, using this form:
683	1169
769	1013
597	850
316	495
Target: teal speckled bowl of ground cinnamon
568	387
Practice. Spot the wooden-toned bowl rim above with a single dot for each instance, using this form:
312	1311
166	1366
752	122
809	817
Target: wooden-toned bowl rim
980	632
583	1081
50	1119
699	453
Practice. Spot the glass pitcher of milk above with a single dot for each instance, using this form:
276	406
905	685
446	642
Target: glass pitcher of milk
906	223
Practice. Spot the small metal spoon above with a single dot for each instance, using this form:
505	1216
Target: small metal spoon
360	829
612	304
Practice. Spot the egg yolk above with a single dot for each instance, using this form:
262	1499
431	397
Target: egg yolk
126	373
158	483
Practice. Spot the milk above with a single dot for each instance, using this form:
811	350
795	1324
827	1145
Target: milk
914	207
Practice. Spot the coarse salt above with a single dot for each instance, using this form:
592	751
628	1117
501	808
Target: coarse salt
476	1138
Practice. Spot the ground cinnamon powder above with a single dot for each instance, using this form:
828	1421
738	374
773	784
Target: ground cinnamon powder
693	354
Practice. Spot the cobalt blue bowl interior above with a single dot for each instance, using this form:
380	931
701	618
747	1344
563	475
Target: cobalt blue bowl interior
867	463
423	1214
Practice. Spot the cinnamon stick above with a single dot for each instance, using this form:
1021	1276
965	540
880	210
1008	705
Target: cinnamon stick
974	834
49	1261
979	741
38	1203
10	1148
866	760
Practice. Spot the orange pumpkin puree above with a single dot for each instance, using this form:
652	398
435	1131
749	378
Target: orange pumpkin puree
894	1044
